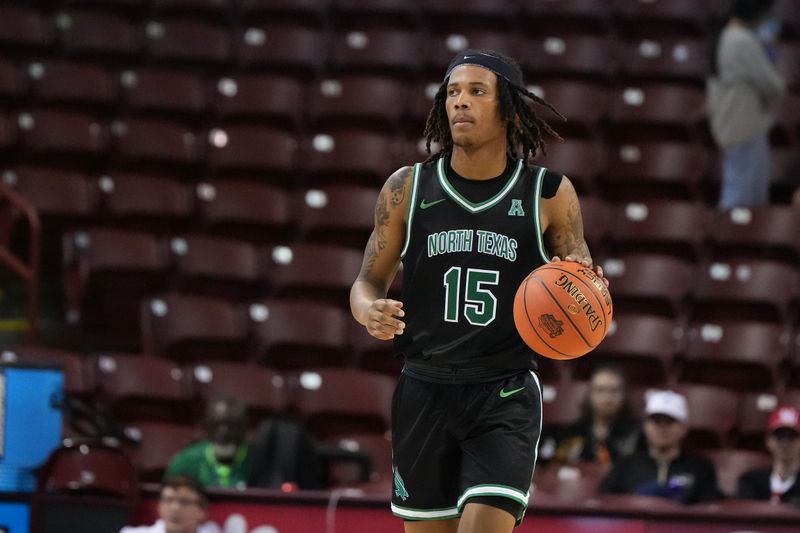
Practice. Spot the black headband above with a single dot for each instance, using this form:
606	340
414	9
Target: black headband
487	61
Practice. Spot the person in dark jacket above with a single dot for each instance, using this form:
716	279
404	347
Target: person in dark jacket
664	469
781	481
606	429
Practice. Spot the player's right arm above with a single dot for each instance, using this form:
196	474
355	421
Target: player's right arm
368	302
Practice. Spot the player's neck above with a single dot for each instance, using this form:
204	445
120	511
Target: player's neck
486	162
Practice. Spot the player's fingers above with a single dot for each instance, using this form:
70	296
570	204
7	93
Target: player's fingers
555	259
390	307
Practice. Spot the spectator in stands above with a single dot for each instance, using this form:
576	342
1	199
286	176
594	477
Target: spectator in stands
742	90
781	481
606	429
182	508
663	469
223	458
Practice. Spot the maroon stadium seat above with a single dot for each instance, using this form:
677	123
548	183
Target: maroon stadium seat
331	401
444	45
8	133
186	327
357	101
98	35
286	10
582	103
569	483
575	55
731	464
377	447
216	266
667	16
77	381
253	149
12	84
321	272
654	110
62	133
280	329
187	41
23	28
377	50
596	216
581	161
658	226
260	97
649	283
89	469
561	11
61	82
238	209
136	387
561	403
161	91
351	157
263	389
770	232
756	408
370	353
713	412
106	272
644	345
281	48
736	354
754	289
679	59
335	214
150	141
158	444
146	202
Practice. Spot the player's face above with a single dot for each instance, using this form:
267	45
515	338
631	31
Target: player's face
473	107
181	510
606	394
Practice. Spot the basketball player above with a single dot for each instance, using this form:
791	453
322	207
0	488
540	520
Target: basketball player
468	225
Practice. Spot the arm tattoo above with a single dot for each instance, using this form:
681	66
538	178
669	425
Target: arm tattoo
388	201
568	239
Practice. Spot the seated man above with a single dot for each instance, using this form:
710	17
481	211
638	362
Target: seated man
781	481
663	469
181	509
223	459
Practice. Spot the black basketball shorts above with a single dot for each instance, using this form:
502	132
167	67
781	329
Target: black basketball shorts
456	442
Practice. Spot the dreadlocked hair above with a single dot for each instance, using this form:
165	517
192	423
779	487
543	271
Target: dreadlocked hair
525	130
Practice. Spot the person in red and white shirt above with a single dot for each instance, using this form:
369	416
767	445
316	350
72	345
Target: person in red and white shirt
781	481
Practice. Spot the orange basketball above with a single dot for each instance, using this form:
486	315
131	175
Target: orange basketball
562	310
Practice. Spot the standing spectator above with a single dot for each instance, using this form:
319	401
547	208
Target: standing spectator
664	469
182	508
742	91
606	429
781	481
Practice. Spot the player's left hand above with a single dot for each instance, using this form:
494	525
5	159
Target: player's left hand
585	261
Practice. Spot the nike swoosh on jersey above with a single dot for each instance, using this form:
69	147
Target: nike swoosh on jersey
505	394
425	205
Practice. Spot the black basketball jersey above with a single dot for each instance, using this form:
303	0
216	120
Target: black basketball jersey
462	264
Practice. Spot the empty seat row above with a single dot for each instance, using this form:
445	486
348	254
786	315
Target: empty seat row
136	387
654	350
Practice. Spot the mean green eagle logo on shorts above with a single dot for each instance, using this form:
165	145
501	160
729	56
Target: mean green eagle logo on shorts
399	487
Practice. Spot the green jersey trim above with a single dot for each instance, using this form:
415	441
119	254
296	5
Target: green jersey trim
537	214
411	207
425	514
466	204
494	490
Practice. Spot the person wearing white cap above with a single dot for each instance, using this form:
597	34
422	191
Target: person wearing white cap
664	469
781	481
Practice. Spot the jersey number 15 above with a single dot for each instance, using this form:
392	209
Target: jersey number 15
480	305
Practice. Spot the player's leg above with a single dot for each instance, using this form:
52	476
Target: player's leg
432	526
425	458
499	454
483	518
